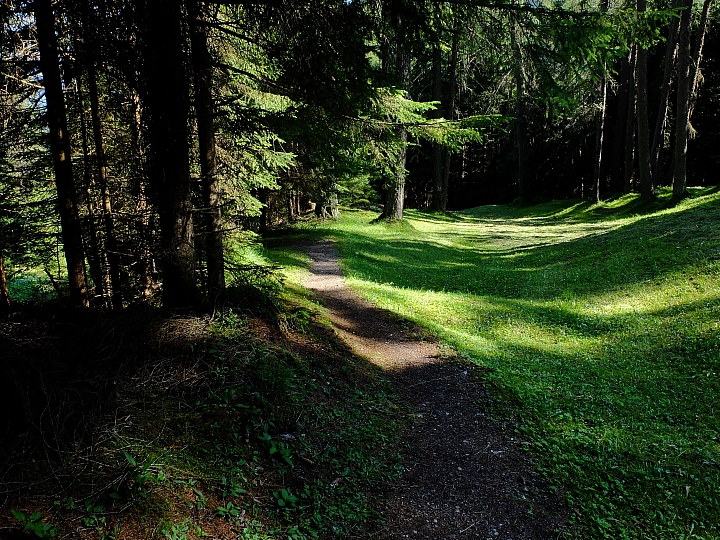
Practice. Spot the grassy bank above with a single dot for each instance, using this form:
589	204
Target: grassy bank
599	328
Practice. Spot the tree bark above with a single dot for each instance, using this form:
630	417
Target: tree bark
600	124
599	135
436	201
619	135
167	104
682	113
630	124
521	123
205	110
4	293
61	153
647	189
142	207
670	51
450	114
111	245
395	197
94	253
263	197
697	58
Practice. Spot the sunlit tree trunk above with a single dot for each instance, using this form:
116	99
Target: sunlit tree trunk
111	245
600	125
4	294
395	198
521	123
61	153
669	65
142	207
205	109
630	124
436	201
682	112
450	115
697	58
599	135
94	253
647	189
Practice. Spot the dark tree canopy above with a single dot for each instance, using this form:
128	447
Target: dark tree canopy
141	139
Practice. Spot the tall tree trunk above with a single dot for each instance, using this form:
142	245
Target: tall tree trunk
94	254
111	245
697	58
599	135
647	189
661	119
619	135
395	198
4	294
450	114
521	123
205	109
61	154
630	123
682	112
142	208
436	201
167	104
263	197
600	124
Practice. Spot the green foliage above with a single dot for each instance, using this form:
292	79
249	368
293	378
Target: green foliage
228	511
285	498
598	327
98	522
141	475
35	524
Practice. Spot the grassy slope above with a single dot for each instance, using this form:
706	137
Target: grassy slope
598	323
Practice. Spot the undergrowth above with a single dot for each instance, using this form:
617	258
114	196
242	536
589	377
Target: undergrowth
598	325
191	426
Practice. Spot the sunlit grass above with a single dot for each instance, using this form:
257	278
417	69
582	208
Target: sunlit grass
598	325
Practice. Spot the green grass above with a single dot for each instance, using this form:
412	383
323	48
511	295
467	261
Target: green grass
599	328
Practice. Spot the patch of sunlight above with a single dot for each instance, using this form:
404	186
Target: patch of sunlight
619	202
491	326
557	340
569	210
675	292
379	257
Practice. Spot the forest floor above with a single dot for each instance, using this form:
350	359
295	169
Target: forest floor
188	426
466	475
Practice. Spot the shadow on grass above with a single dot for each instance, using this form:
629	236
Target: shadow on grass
601	259
625	426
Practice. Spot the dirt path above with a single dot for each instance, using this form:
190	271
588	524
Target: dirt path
465	475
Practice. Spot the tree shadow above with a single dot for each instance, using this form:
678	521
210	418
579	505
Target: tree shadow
526	261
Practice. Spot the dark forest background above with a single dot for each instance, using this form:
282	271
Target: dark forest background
145	145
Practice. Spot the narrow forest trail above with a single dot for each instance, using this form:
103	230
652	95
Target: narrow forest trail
466	476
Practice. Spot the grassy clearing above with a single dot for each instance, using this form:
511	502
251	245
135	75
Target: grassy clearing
599	326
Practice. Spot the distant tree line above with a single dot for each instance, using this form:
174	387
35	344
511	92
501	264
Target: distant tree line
142	142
